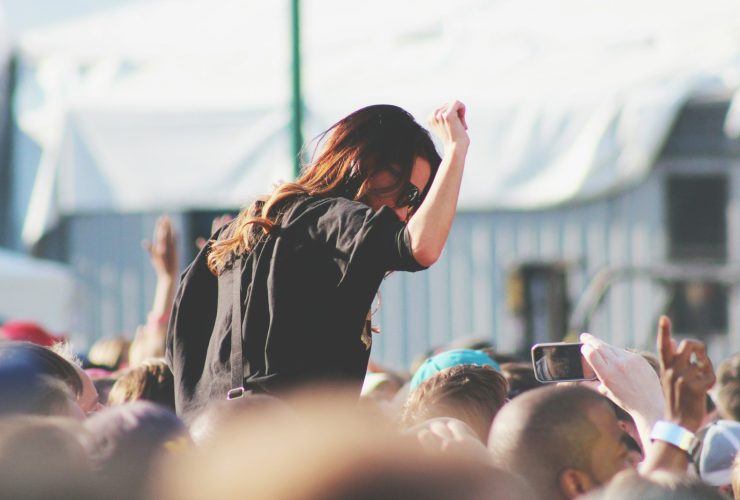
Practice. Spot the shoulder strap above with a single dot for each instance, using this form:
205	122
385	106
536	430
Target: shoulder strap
237	360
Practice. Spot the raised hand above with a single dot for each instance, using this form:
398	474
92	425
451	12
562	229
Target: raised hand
163	248
686	375
627	379
448	123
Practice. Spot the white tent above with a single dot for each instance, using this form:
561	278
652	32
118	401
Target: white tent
167	105
37	290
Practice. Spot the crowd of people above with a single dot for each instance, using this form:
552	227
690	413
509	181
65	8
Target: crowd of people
172	414
463	422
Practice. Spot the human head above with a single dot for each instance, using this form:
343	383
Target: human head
89	399
473	394
726	392
371	140
22	364
520	377
352	155
564	439
448	359
335	453
729	370
150	381
382	386
123	442
110	353
41	457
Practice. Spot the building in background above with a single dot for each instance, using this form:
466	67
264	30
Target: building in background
589	137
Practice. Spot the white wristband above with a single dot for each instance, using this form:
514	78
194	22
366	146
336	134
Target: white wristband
674	434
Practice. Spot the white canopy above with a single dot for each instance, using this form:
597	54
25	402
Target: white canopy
167	105
38	290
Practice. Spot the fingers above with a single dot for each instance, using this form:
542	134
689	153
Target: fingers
448	112
460	430
429	441
594	358
595	342
690	352
664	344
461	114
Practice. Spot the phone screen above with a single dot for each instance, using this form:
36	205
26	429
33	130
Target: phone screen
559	362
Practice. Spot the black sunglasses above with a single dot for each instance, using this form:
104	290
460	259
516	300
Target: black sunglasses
409	197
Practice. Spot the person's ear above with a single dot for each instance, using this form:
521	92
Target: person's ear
574	483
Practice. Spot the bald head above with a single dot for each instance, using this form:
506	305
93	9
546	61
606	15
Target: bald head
549	430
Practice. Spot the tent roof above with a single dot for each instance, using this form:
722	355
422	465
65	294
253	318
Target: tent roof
567	100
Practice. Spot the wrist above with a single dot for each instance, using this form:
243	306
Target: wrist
165	277
459	145
690	424
674	434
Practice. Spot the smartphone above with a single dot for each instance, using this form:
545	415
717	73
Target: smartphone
560	362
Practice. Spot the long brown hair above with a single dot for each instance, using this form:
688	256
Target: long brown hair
375	138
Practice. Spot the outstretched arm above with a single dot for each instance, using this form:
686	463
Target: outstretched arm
686	376
430	225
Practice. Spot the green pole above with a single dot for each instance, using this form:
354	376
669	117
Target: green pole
296	101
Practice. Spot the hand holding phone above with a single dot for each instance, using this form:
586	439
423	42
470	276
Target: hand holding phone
560	362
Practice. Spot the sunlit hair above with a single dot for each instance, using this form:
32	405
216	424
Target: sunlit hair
471	393
373	139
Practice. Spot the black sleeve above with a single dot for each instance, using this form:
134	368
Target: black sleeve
358	236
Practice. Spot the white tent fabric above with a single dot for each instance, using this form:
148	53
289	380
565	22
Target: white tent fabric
167	105
568	100
37	290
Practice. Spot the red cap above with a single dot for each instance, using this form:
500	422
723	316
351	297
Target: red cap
30	332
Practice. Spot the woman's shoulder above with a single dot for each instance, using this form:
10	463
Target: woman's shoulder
313	208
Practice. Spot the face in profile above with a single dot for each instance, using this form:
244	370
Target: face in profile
401	200
609	454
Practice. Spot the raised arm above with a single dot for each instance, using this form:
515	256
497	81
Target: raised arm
163	254
149	340
430	225
627	379
686	376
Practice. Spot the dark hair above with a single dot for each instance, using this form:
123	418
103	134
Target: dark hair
471	393
150	381
372	139
520	376
37	361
